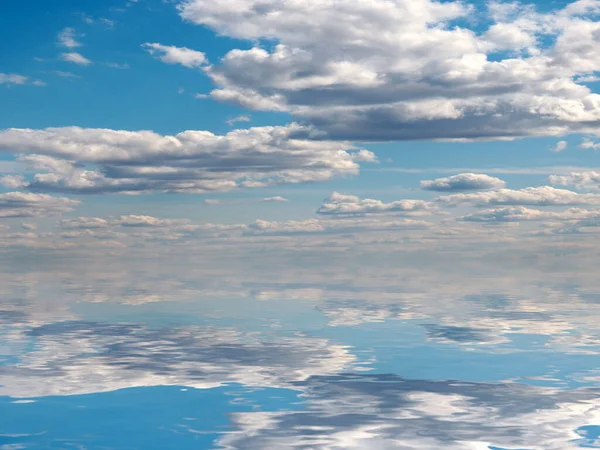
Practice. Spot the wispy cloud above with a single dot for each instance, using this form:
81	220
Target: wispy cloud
68	38
75	58
243	118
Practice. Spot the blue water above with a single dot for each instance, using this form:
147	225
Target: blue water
283	366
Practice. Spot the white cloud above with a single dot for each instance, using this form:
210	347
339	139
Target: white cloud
13	181
120	66
559	147
64	74
12	78
341	204
75	58
84	223
521	213
84	160
534	196
589	144
372	69
587	179
23	204
214	201
176	55
244	118
318	226
68	38
133	220
463	182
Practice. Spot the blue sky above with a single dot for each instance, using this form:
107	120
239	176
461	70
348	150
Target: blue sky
126	88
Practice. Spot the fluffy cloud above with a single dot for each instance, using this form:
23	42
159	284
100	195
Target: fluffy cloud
146	221
176	55
463	182
589	179
84	160
534	196
277	199
75	58
128	221
520	213
559	147
341	204
588	144
372	69
84	223
25	204
13	181
316	226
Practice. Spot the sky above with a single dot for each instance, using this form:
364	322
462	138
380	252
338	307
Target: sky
272	214
229	114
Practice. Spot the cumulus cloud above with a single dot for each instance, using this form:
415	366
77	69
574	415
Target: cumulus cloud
176	55
127	221
214	201
589	144
342	204
25	204
316	226
559	147
521	213
84	223
145	221
75	58
531	196
588	179
372	69
85	160
463	182
13	181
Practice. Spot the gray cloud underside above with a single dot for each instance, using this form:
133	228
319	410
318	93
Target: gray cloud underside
22	204
373	70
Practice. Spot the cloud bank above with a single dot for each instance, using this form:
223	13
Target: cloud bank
83	160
